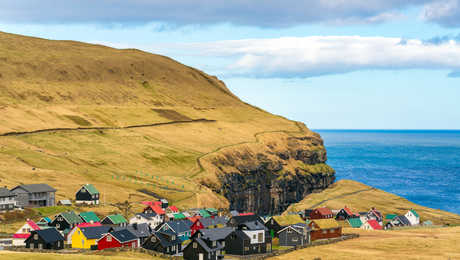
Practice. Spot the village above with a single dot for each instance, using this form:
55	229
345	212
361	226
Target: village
204	233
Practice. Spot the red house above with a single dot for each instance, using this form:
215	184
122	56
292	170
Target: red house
321	213
121	238
197	225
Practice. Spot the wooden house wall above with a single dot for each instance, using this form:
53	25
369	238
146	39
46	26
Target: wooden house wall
318	234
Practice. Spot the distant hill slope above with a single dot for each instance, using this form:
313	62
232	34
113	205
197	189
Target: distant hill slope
139	125
360	197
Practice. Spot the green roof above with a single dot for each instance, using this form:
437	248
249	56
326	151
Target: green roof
89	216
117	219
204	213
71	217
415	213
91	189
355	222
390	216
179	216
212	210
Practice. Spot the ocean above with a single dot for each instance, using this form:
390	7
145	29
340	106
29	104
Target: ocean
421	166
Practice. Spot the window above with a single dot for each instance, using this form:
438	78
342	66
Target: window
173	238
24	230
35	236
133	245
79	232
58	226
254	236
246	248
331	230
295	239
268	247
109	239
261	237
325	231
153	239
223	243
289	230
213	243
195	245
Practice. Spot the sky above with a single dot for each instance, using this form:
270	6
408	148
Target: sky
332	64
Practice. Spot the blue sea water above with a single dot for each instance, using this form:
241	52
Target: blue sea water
421	166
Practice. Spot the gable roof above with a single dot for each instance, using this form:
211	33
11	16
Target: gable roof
157	209
49	235
299	228
178	216
213	221
415	213
285	220
90	188
355	222
116	219
236	220
139	230
253	225
173	208
123	235
216	233
212	210
147	216
205	246
204	213
95	224
403	220
65	202
94	232
164	238
32	224
4	192
390	216
45	220
374	224
33	188
325	223
324	211
89	216
180	226
71	217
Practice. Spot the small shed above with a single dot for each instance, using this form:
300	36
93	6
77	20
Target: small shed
64	203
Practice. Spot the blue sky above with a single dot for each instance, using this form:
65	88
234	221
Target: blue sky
352	64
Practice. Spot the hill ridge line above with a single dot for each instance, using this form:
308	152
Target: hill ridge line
68	129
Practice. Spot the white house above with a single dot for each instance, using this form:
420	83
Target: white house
413	217
24	232
152	219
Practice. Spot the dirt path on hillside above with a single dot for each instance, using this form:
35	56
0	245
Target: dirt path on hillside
50	130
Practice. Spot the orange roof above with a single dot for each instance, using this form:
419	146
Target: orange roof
246	214
173	208
324	211
374	224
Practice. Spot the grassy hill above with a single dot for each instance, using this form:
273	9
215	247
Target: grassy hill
125	120
360	197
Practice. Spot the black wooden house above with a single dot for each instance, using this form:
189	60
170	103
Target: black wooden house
66	221
166	242
87	194
199	249
48	238
273	227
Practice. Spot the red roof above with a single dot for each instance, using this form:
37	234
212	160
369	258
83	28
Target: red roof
324	211
152	203
173	208
194	219
95	224
246	214
33	225
348	211
374	224
157	209
25	236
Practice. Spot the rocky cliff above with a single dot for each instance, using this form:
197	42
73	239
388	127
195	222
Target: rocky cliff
269	175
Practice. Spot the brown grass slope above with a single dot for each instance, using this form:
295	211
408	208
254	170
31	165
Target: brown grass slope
52	85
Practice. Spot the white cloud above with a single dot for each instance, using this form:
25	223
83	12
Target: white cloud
312	56
444	12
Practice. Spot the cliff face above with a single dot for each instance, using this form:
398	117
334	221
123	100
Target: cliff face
268	176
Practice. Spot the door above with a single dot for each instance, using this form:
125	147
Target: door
200	256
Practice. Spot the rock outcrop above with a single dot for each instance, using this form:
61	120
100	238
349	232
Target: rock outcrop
267	176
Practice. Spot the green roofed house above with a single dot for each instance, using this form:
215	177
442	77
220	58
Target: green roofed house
390	217
178	216
66	220
413	217
87	194
115	220
203	213
212	211
355	222
89	217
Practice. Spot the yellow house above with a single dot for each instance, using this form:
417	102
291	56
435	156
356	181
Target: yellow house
85	237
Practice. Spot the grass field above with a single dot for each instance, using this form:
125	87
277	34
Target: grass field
360	197
427	243
99	256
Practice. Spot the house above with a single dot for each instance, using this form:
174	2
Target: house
121	238
295	235
355	222
363	217
24	232
166	242
214	222
86	237
215	234
178	216
89	217
7	199
204	213
235	221
82	225
64	203
307	214
45	239
324	228
155	209
182	228
164	203
345	214
371	224
273	226
152	219
212	211
44	222
321	213
141	231
199	249
400	221
66	221
375	214
87	194
248	242
172	209
197	225
413	217
34	195
115	220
